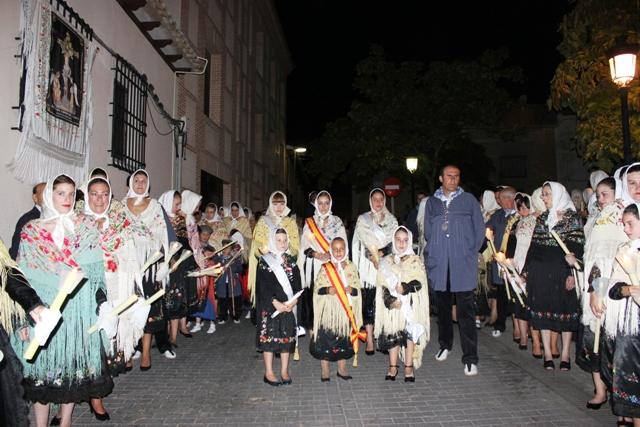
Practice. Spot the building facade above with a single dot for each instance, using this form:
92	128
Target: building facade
233	110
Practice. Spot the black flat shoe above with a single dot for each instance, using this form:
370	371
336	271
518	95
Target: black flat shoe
523	347
556	356
344	377
411	379
369	352
272	383
516	340
128	368
186	335
286	382
55	421
99	417
596	406
325	380
624	423
565	366
145	368
537	356
391	377
549	365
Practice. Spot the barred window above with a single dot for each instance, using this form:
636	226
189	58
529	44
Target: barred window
128	118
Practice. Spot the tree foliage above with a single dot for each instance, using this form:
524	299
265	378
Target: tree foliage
582	82
413	109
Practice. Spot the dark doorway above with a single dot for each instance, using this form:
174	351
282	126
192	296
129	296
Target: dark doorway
211	189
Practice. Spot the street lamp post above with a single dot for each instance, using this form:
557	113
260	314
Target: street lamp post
296	152
412	166
622	64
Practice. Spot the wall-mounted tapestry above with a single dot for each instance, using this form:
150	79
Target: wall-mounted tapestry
57	54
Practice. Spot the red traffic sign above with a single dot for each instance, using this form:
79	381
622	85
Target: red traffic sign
391	187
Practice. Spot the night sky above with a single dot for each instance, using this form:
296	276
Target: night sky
327	38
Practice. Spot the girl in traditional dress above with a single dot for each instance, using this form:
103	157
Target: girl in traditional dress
402	306
237	221
70	367
318	231
604	234
212	219
620	365
553	301
489	204
371	241
274	218
180	292
337	306
517	248
278	280
148	213
16	299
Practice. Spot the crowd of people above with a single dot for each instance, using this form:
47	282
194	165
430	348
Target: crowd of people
563	267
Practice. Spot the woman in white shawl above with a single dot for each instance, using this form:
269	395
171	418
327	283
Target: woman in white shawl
118	236
372	240
149	214
237	221
402	306
620	348
319	230
553	301
604	234
517	248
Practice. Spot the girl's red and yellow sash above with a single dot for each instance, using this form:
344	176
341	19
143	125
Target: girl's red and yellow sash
336	282
317	234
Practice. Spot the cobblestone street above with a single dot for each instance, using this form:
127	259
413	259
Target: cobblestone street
217	380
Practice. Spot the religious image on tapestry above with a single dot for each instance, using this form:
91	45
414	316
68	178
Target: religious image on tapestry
66	63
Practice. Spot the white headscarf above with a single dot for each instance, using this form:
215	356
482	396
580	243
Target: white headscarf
271	212
85	186
408	250
87	209
132	194
240	210
532	208
166	200
384	211
338	262
595	177
625	196
225	211
249	213
489	202
618	173
561	201
315	204
536	200
190	201
216	215
273	247
63	222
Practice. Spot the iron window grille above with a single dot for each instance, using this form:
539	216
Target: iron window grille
128	118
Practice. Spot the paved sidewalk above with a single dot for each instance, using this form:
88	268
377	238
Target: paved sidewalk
217	380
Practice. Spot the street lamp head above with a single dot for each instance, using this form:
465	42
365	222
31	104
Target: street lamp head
412	164
622	63
300	150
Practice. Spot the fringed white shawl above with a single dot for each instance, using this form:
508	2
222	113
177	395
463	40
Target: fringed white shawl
393	321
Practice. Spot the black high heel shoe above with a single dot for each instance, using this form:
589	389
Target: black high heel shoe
412	378
99	417
389	377
596	406
549	365
369	352
145	368
186	335
344	377
271	383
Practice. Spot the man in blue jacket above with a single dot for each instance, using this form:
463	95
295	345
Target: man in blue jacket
454	230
